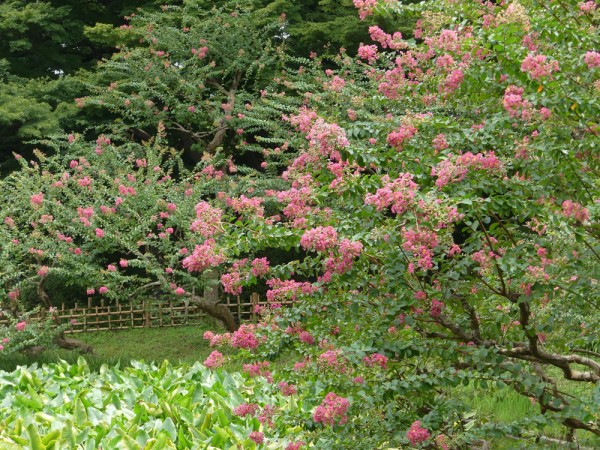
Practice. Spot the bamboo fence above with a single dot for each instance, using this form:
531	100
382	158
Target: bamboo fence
103	317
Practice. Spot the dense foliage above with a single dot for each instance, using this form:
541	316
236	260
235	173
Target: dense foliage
435	200
143	406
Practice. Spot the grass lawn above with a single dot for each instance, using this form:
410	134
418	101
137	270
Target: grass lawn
177	344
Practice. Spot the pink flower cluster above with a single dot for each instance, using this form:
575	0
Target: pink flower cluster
101	142
436	308
251	206
587	7
260	267
575	210
398	194
386	40
537	67
287	389
214	360
365	8
420	243
297	200
453	81
37	199
417	434
376	359
295	445
328	138
259	369
440	143
399	136
592	59
201	52
286	290
304	120
455	169
257	437
244	337
368	53
203	257
336	84
333	409
233	280
514	103
319	239
208	220
246	409
347	250
333	360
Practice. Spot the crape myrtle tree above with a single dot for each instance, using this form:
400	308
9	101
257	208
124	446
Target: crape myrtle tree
442	192
193	68
105	221
447	202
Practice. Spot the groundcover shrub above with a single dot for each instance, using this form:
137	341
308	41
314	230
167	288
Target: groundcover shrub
142	406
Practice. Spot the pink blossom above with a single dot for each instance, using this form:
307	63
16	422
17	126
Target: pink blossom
258	370
306	338
376	359
416	434
260	267
575	210
399	136
43	271
319	239
440	143
587	7
286	388
21	326
455	169
368	53
295	445
208	220
257	437
111	268
244	337
334	360
179	291
123	263
203	257
453	81
397	194
103	289
332	410
214	360
537	67
91	291
99	232
245	409
232	283
37	199
436	308
365	8
592	59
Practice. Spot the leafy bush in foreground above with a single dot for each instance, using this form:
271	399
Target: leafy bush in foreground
67	406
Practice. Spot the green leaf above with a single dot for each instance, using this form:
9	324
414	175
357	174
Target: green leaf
35	441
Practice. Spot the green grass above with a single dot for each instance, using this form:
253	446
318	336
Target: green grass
505	406
177	344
